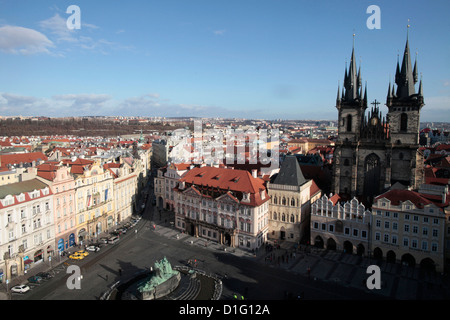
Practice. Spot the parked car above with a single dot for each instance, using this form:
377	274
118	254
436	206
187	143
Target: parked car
93	248
20	288
113	240
35	279
76	256
103	240
44	275
122	230
82	253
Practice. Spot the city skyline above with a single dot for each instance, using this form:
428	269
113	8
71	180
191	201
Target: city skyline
265	60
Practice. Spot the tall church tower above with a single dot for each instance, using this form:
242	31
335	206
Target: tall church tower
372	153
404	106
351	104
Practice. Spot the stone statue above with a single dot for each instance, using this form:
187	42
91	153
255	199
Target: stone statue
163	280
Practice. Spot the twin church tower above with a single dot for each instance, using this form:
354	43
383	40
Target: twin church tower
373	153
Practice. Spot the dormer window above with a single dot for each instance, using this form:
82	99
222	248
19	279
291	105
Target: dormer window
263	194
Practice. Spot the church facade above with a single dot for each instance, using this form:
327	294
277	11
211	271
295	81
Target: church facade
373	152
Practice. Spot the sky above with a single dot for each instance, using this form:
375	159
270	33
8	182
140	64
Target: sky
259	59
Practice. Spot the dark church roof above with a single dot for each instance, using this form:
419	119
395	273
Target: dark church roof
290	173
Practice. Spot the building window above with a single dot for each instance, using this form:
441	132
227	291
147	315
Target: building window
349	123
405	242
394	239
404	122
434	247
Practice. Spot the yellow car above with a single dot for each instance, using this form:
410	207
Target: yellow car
76	256
82	253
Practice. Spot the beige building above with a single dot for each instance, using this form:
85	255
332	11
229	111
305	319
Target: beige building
125	190
94	198
291	196
409	228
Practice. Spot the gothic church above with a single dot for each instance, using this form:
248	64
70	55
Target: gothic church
374	153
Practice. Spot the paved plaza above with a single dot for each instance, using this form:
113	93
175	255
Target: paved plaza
325	267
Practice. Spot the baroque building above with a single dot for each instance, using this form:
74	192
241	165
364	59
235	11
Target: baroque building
372	152
409	228
26	226
224	205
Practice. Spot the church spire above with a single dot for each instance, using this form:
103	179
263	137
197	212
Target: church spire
352	78
404	78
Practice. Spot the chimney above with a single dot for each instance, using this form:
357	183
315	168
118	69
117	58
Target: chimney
254	173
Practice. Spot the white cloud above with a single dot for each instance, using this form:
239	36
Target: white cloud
20	40
84	38
89	104
219	32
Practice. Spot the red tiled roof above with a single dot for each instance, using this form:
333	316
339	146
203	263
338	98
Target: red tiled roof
236	181
17	158
398	196
47	171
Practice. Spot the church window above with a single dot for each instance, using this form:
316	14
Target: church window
403	122
349	123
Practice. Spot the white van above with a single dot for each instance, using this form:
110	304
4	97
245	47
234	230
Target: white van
113	240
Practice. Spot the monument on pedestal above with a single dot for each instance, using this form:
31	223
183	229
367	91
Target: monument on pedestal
161	282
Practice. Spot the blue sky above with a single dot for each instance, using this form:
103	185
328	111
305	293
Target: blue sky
267	59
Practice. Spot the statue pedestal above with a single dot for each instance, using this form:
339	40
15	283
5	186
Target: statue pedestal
163	289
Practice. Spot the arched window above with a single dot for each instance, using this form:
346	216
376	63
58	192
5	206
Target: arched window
292	218
293	202
274	216
275	200
346	162
349	123
404	122
284	201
